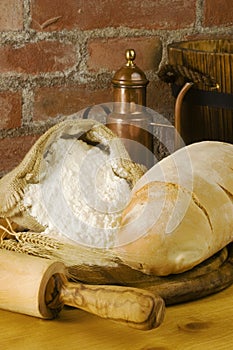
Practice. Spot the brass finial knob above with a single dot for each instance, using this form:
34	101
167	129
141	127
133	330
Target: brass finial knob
130	56
130	76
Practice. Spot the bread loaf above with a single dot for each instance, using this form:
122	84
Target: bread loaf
181	210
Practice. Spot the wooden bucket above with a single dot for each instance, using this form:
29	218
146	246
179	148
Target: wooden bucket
207	108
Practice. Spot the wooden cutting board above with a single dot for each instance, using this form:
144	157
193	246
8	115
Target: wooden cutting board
211	276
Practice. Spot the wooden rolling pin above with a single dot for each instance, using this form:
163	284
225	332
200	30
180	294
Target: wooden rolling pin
39	287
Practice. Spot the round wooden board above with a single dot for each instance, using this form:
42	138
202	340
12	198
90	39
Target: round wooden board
211	276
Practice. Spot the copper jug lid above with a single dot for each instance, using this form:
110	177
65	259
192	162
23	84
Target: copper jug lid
130	75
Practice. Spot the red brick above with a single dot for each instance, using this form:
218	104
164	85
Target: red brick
218	13
110	54
11	15
78	14
10	109
12	150
54	101
33	58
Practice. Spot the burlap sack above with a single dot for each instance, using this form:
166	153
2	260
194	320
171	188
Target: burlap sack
13	214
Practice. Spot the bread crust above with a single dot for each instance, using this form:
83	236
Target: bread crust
180	214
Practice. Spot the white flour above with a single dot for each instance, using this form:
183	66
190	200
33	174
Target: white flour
78	197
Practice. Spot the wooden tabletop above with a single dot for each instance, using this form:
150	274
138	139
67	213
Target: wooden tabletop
203	324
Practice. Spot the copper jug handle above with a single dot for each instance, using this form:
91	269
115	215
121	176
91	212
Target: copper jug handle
178	105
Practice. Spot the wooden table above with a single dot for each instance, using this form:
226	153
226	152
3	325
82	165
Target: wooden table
203	324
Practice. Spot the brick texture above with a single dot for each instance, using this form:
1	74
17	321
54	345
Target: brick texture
54	101
110	54
219	14
11	17
34	58
12	150
158	14
10	109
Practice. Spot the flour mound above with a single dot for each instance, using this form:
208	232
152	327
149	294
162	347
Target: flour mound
79	196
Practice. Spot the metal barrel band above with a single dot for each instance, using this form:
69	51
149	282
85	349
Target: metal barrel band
214	99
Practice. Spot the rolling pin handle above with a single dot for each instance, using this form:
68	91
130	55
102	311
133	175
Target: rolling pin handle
134	307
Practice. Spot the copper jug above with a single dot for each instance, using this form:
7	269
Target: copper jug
130	119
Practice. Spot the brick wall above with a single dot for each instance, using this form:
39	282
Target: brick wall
58	57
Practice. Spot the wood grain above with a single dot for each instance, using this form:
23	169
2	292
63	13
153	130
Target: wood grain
211	276
211	58
134	307
38	287
202	324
